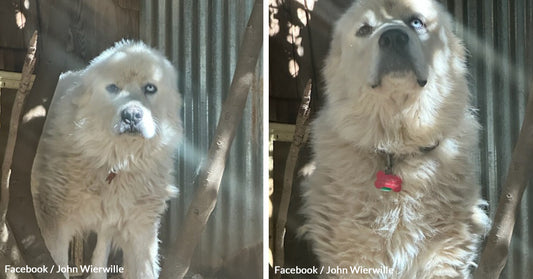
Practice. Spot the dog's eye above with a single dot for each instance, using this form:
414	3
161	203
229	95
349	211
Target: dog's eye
417	24
150	88
112	88
364	31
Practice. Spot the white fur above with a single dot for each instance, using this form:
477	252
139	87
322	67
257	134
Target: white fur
81	145
433	227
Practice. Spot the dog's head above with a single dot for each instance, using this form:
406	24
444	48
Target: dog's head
395	74
130	90
392	46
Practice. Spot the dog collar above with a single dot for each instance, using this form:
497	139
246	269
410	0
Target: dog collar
110	176
385	180
427	149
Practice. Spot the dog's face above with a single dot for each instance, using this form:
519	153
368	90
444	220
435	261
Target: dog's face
395	74
392	46
133	89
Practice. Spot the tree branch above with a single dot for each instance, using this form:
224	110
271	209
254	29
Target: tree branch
179	256
10	253
22	92
292	158
494	256
20	215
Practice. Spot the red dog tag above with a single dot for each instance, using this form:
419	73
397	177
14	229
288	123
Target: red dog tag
388	182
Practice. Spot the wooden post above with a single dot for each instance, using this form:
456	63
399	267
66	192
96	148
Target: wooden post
7	242
292	158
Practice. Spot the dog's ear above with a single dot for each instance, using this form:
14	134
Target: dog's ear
172	76
81	93
333	58
70	85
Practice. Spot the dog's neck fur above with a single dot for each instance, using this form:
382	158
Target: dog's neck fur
391	158
421	150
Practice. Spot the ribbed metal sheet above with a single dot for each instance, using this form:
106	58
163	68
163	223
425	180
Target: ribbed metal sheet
202	39
499	37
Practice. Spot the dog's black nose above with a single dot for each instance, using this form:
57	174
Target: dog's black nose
132	115
393	39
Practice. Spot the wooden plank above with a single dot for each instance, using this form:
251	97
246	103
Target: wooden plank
11	79
281	132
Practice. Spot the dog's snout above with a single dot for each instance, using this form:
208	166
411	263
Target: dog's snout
135	119
393	39
132	115
399	54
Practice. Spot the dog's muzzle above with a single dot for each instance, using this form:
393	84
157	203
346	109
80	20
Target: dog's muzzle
394	40
396	56
130	119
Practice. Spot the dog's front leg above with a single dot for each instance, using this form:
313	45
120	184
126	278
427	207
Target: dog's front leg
101	254
141	253
57	240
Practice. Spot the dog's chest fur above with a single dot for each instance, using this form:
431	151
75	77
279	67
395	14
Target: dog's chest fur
352	222
86	191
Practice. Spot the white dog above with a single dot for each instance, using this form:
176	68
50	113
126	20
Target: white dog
105	159
396	118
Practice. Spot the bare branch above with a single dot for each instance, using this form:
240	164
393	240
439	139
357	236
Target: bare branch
494	256
292	158
10	254
21	217
179	255
22	92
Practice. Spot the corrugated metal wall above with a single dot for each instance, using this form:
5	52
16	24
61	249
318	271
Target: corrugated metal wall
499	37
202	39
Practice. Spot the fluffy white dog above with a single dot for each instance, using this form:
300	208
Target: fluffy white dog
105	159
394	187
